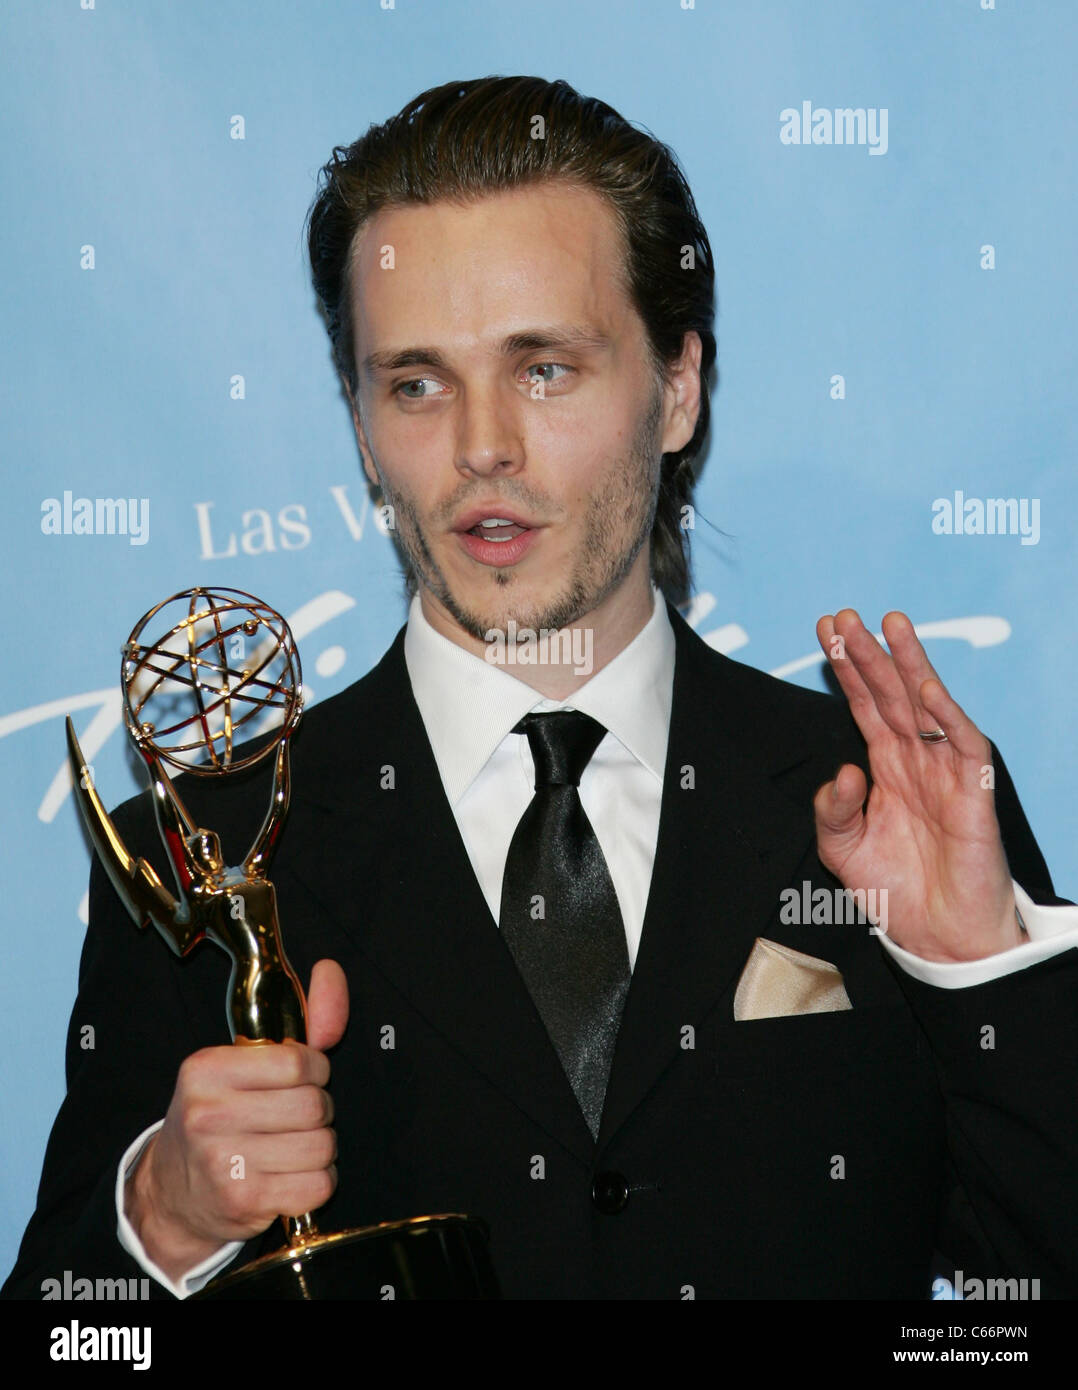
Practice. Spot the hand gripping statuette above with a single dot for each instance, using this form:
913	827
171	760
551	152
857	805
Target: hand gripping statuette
224	666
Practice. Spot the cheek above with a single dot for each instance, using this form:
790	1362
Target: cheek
401	458
575	449
394	433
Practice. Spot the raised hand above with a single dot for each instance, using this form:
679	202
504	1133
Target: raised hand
928	834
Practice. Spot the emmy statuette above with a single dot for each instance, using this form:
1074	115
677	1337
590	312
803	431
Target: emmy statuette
185	702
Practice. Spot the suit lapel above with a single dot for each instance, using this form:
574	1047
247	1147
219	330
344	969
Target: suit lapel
389	865
728	841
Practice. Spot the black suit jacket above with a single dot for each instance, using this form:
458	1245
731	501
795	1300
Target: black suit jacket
727	1135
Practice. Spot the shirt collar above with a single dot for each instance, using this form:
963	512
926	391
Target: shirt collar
469	705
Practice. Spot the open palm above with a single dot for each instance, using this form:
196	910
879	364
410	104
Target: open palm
928	834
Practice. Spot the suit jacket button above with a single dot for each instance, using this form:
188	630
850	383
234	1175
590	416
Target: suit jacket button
609	1193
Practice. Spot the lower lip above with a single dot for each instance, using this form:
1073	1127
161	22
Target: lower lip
498	553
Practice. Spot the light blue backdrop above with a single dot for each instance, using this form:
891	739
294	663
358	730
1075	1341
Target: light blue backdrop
118	121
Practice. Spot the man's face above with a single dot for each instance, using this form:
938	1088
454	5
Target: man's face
510	382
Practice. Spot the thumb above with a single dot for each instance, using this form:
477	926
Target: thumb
839	819
327	1005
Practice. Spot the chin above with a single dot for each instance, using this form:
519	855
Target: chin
570	587
528	605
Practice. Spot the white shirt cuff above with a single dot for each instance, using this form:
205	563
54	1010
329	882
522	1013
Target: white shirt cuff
196	1278
1051	931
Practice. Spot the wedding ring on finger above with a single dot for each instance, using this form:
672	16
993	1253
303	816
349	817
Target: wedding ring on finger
932	736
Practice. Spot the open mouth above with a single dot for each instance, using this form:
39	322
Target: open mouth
498	530
496	540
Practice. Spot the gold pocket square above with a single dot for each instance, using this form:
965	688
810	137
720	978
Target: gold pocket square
778	982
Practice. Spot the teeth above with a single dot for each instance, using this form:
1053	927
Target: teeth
497	521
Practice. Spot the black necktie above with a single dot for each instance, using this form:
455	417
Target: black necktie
559	913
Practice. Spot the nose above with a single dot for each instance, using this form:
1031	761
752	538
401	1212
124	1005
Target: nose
490	438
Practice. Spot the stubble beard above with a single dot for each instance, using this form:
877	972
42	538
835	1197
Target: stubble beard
617	524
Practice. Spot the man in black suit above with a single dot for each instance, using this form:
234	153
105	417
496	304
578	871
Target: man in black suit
619	1050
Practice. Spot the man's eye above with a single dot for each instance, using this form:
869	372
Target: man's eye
399	389
549	381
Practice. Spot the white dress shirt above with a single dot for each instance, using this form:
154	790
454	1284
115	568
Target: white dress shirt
469	707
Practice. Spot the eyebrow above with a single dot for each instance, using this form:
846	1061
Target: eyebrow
530	340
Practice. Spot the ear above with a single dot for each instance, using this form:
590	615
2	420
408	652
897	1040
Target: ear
361	438
681	395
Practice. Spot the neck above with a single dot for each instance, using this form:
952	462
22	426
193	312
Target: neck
593	640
